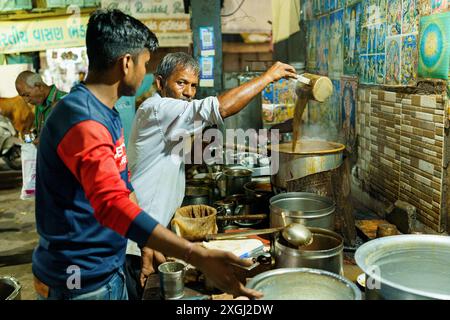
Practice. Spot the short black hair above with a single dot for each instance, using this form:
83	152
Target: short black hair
111	34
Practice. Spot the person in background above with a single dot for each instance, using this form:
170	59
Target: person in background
86	207
33	90
158	179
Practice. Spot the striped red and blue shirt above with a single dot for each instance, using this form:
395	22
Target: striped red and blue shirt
83	210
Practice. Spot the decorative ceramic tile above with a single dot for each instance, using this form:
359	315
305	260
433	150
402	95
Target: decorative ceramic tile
333	5
372	69
410	17
365	12
312	45
364	40
438	6
335	54
394	17
317	7
351	39
371	39
349	87
336	102
326	5
434	48
380	67
409	60
308	10
322	46
351	2
393	48
381	38
424	7
363	69
382	9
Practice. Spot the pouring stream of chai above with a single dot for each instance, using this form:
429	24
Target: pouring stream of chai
310	86
300	105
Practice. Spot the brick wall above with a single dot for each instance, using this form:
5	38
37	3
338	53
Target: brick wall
402	150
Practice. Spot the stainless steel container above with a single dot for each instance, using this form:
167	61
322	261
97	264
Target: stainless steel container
10	289
313	156
306	208
406	267
235	179
304	284
171	279
196	195
325	252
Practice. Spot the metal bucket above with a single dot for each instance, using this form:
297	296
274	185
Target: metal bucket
406	267
10	289
325	253
304	284
306	208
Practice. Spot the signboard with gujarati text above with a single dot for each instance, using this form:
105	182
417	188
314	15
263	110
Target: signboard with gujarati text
165	18
42	34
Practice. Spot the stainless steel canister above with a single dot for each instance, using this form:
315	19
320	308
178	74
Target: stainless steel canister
325	252
171	277
306	208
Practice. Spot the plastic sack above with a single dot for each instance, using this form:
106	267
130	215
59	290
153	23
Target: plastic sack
195	222
28	155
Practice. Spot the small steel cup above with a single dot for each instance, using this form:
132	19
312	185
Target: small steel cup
171	279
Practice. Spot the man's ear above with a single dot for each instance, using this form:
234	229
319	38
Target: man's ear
38	86
125	63
159	83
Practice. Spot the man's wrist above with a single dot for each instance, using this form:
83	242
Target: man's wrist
268	78
196	254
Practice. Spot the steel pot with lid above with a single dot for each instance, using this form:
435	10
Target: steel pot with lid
304	284
306	208
406	267
325	252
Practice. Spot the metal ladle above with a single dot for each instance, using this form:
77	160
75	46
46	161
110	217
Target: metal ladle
297	234
294	233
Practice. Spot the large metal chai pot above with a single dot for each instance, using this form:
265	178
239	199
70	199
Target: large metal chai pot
311	156
406	267
309	209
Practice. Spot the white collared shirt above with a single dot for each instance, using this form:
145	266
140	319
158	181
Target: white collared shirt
157	175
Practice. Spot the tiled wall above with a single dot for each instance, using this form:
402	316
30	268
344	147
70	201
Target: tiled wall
401	152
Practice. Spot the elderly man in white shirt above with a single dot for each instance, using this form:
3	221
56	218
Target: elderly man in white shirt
157	174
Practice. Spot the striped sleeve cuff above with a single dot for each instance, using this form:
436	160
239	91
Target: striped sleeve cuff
141	228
